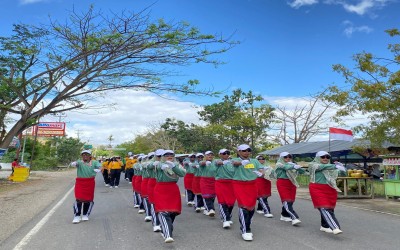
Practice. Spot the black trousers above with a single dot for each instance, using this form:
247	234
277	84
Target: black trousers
167	223
198	201
129	174
263	205
154	218
328	218
209	203
86	206
189	195
245	217
287	210
115	176
225	212
106	177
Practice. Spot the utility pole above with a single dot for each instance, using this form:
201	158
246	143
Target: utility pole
78	132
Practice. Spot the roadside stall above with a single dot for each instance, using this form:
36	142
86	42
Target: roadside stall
391	178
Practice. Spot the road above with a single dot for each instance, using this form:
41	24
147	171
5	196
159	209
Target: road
115	224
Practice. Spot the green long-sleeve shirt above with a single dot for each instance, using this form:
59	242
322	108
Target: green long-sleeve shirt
281	171
164	176
225	172
86	170
246	173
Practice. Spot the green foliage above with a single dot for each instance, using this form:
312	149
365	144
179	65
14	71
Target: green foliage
374	91
68	149
44	163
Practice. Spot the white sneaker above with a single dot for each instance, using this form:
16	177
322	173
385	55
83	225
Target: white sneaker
211	213
269	215
136	206
156	229
107	185
226	224
169	240
205	212
203	208
111	186
76	220
337	231
295	222
326	230
127	179
85	218
147	218
283	218
130	182
141	211
247	236
197	210
190	204
230	222
116	187
259	211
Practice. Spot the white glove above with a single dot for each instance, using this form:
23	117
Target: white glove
297	166
73	164
267	167
259	174
170	164
196	166
155	163
341	168
245	162
338	163
226	162
208	163
291	163
164	166
97	170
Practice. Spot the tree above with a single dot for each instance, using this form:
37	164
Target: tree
373	90
62	66
68	149
301	123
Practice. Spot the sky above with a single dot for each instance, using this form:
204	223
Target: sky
286	53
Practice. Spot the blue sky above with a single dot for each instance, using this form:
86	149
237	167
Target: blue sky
287	47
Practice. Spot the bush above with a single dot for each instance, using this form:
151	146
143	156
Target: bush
46	163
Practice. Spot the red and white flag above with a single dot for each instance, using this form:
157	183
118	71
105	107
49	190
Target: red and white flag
340	134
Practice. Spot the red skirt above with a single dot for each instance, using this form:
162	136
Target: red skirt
286	190
84	189
134	183
187	180
138	184
263	188
322	195
224	191
196	185
167	197
143	187
150	188
207	187
245	193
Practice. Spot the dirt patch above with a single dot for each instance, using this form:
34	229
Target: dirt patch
38	192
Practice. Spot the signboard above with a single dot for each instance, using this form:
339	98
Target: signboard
49	129
14	143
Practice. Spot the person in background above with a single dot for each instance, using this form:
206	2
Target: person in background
223	187
198	199
245	187
115	167
323	190
207	182
167	197
188	179
151	168
144	186
264	188
104	170
286	174
129	162
84	186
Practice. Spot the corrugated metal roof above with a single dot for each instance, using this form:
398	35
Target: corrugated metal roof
335	147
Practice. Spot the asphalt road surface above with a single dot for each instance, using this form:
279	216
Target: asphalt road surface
115	224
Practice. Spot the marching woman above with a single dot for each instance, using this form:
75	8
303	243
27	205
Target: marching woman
264	188
144	188
207	183
286	173
138	185
84	186
151	168
115	167
223	187
245	187
167	197
188	179
198	199
323	190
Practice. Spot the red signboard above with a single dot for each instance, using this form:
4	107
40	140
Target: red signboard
49	129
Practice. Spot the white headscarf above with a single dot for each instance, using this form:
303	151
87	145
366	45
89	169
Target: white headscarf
330	175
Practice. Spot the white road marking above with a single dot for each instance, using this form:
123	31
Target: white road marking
41	223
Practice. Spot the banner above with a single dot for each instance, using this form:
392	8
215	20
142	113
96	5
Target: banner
340	134
49	129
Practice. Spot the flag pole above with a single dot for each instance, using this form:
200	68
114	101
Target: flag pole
329	141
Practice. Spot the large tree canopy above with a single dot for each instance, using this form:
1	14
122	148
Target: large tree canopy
58	67
373	90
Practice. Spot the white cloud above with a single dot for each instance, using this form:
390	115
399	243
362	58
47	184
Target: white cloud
24	2
299	3
350	29
361	7
132	115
